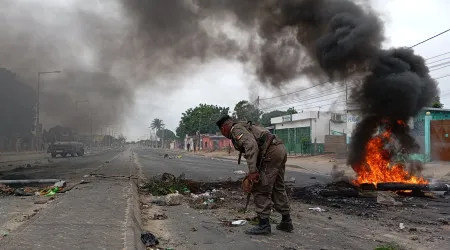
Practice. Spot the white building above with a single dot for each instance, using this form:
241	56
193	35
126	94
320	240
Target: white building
305	133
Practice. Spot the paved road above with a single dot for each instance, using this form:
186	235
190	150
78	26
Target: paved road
99	214
203	169
58	168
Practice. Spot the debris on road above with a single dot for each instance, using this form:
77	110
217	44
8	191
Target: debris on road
387	198
19	190
238	222
239	172
317	209
149	239
174	199
160	216
164	184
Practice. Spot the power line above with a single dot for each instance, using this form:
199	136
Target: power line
426	40
311	95
322	105
290	93
441	68
446	58
439	65
437	55
300	104
442	77
300	101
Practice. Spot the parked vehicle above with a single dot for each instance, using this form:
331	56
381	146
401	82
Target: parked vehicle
66	148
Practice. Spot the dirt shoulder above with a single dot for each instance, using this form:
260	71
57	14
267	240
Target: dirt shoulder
201	220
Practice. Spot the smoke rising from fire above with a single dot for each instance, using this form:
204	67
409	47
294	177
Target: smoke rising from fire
108	51
82	43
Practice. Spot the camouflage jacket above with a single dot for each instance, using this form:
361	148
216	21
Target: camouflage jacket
251	141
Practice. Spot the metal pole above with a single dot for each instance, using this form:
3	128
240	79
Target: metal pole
427	136
37	111
92	135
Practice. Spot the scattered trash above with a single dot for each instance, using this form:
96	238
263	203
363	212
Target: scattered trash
51	192
193	229
160	217
238	222
174	199
317	209
401	226
165	184
6	189
60	184
22	192
149	239
443	221
239	172
387	198
166	155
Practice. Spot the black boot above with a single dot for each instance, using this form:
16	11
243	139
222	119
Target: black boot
286	224
263	228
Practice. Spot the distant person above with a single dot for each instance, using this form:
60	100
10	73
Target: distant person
188	147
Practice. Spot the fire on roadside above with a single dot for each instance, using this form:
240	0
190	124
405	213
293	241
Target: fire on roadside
377	166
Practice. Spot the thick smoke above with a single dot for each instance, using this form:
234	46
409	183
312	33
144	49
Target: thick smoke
109	50
84	45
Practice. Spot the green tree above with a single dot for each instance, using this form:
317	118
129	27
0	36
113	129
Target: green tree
169	135
245	111
201	118
291	111
437	103
157	124
265	118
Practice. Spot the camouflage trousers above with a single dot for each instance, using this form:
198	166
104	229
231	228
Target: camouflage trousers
270	191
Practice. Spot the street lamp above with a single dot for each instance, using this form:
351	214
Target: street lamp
38	126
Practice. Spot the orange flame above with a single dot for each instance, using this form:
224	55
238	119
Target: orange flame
377	167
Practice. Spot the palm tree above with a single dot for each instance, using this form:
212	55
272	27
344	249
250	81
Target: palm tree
157	124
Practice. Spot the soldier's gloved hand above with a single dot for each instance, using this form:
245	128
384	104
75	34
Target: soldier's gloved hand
253	177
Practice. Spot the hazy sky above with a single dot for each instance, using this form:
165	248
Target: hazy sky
223	83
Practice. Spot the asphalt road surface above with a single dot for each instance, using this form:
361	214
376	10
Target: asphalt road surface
94	215
199	168
56	168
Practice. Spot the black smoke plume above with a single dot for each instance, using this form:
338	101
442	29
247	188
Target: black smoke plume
112	49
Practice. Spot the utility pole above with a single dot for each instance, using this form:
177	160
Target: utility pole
346	92
162	137
92	134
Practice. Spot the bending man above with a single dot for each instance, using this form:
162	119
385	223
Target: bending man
266	159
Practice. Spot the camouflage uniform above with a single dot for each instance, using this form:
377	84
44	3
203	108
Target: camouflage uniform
252	141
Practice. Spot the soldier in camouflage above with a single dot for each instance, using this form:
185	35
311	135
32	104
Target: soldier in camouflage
266	159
